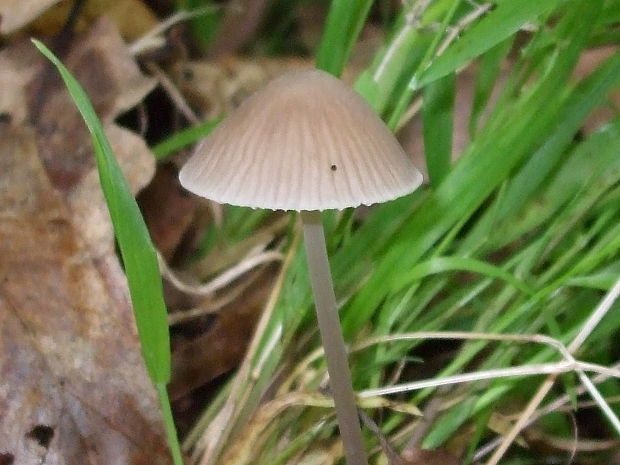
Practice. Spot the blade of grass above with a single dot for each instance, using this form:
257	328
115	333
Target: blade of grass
504	21
137	250
183	138
490	66
589	93
522	128
449	14
344	23
445	264
437	117
205	28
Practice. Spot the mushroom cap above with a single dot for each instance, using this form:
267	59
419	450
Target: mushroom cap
306	141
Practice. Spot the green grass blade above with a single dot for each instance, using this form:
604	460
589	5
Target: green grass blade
171	432
490	66
344	23
447	10
517	131
183	138
137	250
444	264
438	116
504	21
205	27
590	93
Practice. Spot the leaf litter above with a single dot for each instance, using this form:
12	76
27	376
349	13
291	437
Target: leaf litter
73	387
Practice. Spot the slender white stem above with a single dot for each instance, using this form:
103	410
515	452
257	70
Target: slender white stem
333	342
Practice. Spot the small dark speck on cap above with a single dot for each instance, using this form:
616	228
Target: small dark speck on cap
43	434
333	167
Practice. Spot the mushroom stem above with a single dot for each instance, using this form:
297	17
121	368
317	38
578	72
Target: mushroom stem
333	342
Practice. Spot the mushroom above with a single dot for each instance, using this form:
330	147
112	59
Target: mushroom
307	142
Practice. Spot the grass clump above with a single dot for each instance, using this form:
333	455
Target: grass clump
518	237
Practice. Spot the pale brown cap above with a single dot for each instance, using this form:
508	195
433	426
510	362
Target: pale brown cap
306	141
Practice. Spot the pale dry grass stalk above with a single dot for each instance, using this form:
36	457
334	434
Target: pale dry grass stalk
590	324
174	93
211	441
154	39
247	264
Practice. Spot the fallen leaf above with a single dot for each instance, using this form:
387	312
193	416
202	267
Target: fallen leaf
32	92
429	457
73	385
169	210
219	350
14	14
217	87
133	18
239	25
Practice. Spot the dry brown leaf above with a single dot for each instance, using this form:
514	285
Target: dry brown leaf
220	349
216	87
100	61
73	386
169	210
113	81
132	17
429	457
17	13
239	25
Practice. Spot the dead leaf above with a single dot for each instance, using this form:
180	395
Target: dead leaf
132	17
169	210
114	83
220	349
16	13
73	385
429	457
217	87
32	91
240	23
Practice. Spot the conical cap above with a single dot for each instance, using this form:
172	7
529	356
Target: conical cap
306	141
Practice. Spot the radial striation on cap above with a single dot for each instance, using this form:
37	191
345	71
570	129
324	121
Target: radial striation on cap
305	141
